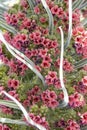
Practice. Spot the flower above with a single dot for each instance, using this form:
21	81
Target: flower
12	83
76	100
50	99
36	10
72	125
84	80
84	118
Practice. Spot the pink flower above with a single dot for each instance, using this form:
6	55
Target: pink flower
6	110
57	83
76	100
40	120
36	99
72	125
84	80
21	15
52	95
26	103
24	3
37	10
52	74
51	77
43	52
0	50
54	9
49	98
1	126
4	127
43	19
47	58
75	32
53	104
12	83
84	118
45	64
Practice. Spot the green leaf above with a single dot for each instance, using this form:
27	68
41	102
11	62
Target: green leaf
51	21
10	104
11	121
80	63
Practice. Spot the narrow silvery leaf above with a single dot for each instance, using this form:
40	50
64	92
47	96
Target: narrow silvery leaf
9	104
4	25
84	21
1	16
70	25
2	6
26	115
20	56
83	6
31	4
80	64
84	128
81	61
51	21
9	3
34	2
77	4
11	121
66	98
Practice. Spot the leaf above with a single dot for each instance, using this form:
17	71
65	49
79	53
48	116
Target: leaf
84	21
77	3
80	63
65	101
51	21
5	26
10	104
70	25
3	7
84	128
9	3
31	3
84	5
11	121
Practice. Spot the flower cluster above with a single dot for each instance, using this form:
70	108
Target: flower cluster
72	125
4	127
81	87
76	100
49	98
80	35
34	40
39	120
